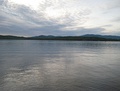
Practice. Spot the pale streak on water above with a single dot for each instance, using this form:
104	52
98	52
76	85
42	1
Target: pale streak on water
33	65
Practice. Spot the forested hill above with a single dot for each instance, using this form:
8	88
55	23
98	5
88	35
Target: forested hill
11	37
87	37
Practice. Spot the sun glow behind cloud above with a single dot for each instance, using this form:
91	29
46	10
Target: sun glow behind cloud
33	4
61	16
54	13
51	9
61	12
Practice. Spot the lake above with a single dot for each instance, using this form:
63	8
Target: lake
36	65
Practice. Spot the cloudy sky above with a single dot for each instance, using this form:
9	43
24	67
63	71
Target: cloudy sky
59	17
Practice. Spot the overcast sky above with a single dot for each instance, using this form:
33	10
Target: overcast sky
59	17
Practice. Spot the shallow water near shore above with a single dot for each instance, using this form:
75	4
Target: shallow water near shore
36	65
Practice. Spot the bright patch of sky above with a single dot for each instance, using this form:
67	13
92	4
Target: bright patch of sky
59	17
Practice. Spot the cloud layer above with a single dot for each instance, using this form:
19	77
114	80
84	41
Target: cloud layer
59	17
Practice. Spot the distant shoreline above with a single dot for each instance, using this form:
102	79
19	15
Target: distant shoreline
88	37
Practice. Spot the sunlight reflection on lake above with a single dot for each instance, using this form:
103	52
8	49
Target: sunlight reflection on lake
30	65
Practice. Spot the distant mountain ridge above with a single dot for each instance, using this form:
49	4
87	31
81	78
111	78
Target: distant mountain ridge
87	37
102	36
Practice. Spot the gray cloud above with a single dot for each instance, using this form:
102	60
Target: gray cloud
1	2
116	19
111	4
56	30
109	25
40	16
22	20
13	25
19	17
117	32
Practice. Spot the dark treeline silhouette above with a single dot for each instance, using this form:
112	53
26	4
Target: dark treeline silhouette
11	37
88	37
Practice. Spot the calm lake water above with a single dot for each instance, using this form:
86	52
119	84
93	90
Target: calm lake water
35	65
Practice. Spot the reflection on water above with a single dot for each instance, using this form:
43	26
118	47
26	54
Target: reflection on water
29	65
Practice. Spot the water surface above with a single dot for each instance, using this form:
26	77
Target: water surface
35	65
